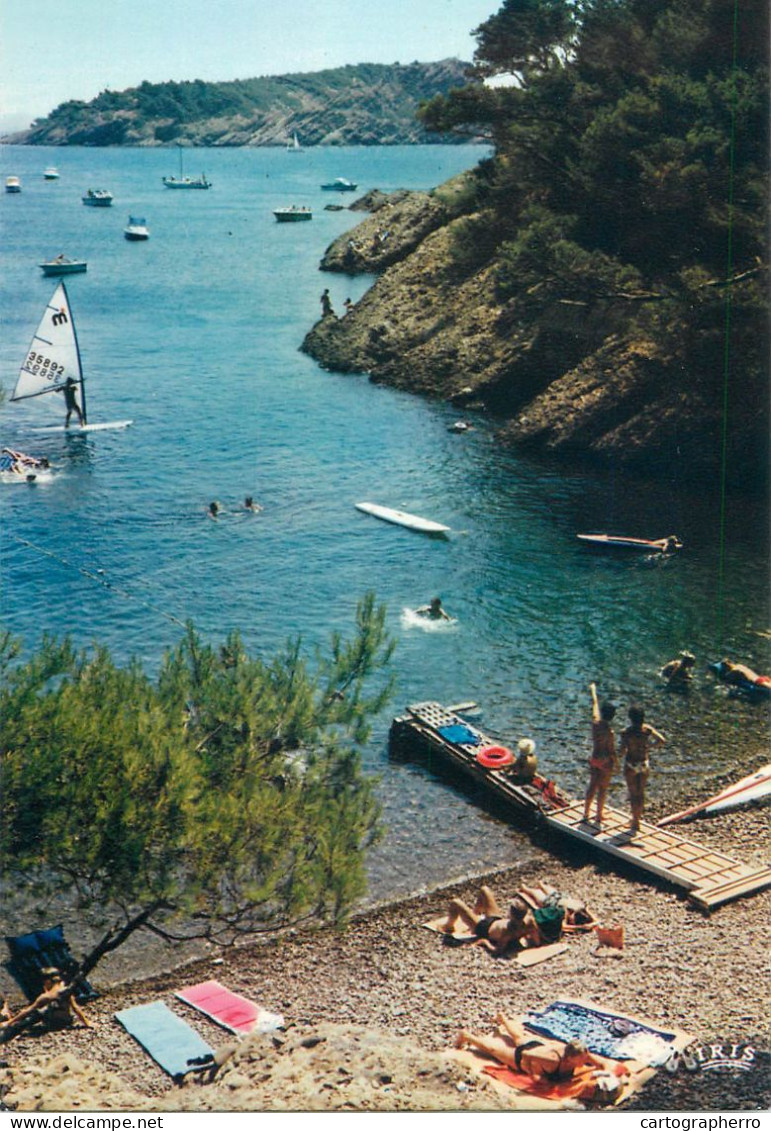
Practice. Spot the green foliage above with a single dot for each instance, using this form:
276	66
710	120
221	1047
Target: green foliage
525	37
632	151
229	791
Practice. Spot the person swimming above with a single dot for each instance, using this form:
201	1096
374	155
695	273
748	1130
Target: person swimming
433	611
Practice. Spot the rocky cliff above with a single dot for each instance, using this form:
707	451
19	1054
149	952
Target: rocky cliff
366	104
576	379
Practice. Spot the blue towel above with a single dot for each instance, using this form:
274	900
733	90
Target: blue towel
606	1034
460	734
166	1037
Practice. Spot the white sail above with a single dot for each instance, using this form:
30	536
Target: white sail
53	357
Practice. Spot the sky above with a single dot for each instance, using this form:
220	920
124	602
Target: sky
53	50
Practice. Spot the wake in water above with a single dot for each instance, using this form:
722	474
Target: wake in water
412	619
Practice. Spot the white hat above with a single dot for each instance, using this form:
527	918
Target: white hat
526	746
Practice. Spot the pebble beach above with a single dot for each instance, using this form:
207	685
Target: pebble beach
372	1011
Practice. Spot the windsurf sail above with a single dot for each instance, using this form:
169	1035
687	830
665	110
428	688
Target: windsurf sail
52	363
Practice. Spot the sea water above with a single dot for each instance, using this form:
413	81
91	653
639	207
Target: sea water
194	335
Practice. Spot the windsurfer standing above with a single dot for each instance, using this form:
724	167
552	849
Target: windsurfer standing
69	389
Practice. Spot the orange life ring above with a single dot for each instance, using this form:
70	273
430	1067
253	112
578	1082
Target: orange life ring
493	757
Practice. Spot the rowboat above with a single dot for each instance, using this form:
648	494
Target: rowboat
752	788
618	542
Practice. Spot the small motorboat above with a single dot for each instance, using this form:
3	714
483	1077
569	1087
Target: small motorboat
136	229
98	198
50	174
666	545
12	184
340	184
63	266
292	214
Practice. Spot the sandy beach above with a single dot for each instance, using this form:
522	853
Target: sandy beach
372	1011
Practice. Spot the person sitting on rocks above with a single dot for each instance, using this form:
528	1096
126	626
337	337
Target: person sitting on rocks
545	1059
56	1011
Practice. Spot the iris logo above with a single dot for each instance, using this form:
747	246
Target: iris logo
713	1058
60	318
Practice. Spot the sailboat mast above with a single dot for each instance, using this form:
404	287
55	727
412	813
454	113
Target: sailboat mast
77	351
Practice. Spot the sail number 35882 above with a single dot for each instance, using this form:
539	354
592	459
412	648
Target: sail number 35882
38	364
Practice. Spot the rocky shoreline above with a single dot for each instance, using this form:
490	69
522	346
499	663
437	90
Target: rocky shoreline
372	1011
575	380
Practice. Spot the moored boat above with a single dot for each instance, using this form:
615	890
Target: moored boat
63	266
98	198
340	184
136	229
12	184
292	214
51	174
183	182
187	182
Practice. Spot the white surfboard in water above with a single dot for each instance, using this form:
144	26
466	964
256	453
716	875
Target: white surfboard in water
52	365
402	518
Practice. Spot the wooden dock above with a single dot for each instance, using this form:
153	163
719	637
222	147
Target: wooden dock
709	877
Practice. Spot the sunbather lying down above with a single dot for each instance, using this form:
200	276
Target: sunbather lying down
537	916
547	1060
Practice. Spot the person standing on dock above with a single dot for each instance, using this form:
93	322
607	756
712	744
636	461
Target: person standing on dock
635	747
603	760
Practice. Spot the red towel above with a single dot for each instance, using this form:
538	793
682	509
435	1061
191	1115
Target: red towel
228	1009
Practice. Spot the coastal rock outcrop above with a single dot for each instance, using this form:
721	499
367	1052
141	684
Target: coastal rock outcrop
575	379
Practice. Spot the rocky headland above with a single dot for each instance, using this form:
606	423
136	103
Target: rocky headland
575	379
362	104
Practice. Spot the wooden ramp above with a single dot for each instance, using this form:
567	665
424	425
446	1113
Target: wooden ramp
710	877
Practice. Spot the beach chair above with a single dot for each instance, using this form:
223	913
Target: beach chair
34	952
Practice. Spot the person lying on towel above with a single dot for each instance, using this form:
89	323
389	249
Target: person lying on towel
577	915
544	1059
497	932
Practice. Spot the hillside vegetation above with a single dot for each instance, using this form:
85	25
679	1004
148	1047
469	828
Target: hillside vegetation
367	104
601	282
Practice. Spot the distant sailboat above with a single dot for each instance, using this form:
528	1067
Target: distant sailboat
294	145
183	182
52	365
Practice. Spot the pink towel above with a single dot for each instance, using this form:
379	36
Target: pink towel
228	1009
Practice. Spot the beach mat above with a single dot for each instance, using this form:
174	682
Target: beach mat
532	956
168	1039
605	1032
229	1009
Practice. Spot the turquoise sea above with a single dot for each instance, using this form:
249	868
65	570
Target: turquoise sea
195	336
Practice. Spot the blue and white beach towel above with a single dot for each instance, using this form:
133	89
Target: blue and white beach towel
604	1033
